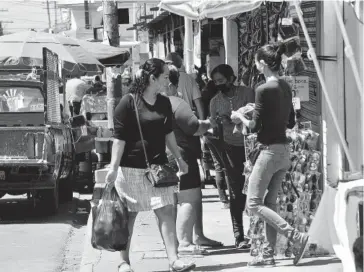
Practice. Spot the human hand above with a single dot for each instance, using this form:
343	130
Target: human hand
111	176
183	167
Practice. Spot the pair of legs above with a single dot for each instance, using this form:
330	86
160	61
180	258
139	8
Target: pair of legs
233	158
190	212
267	175
167	228
219	173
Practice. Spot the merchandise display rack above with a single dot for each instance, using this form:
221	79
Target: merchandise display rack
300	193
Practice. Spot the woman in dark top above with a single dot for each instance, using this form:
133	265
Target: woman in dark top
187	127
273	114
155	113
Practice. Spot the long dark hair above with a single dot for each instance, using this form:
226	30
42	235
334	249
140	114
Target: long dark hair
271	54
153	67
226	70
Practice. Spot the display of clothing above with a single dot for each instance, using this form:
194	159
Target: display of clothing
300	192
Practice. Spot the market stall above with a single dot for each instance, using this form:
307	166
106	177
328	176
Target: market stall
262	22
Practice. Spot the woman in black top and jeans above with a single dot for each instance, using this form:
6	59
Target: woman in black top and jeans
273	114
155	112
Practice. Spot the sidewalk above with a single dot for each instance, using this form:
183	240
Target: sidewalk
148	254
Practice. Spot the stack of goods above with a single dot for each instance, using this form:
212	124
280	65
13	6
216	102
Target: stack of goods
300	194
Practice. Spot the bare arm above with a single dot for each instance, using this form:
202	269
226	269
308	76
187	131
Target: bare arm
116	153
172	146
199	108
204	126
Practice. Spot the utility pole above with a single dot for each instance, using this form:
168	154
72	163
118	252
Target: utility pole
55	16
111	34
49	16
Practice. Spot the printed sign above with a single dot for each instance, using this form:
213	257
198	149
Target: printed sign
300	87
296	103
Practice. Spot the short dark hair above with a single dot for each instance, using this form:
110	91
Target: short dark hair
173	75
271	54
224	69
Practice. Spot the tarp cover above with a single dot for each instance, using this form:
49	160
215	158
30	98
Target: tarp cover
201	9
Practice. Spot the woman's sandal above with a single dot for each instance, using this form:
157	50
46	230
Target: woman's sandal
124	267
186	267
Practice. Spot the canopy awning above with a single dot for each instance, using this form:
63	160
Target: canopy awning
201	9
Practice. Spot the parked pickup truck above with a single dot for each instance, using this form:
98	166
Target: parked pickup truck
35	155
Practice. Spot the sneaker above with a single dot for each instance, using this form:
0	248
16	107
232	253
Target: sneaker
226	205
242	244
301	250
262	261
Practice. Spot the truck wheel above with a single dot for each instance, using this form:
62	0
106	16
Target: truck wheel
50	199
66	189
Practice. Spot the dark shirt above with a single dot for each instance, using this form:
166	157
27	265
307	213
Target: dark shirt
156	123
274	112
185	125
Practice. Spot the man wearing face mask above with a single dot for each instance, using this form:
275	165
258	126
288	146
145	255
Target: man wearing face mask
231	150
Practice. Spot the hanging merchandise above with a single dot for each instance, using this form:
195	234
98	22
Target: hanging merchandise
300	192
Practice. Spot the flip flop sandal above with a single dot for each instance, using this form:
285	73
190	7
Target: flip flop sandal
185	268
124	267
195	251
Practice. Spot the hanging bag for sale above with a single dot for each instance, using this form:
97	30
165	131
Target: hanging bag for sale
110	222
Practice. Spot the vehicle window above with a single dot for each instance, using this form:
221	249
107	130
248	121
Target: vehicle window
21	99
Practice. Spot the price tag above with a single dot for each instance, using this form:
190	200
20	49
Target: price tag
296	103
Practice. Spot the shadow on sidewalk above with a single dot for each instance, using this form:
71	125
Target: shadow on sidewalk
319	262
218	267
229	250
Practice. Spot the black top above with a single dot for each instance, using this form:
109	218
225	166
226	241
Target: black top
185	125
274	112
156	123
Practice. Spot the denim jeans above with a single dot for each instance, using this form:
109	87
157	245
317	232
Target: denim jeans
267	175
221	185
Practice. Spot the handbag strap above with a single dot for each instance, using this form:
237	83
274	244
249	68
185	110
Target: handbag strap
140	131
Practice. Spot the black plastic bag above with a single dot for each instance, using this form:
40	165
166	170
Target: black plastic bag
110	222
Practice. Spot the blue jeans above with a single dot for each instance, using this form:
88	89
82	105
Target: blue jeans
267	175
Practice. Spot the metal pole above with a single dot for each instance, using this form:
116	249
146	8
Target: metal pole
49	16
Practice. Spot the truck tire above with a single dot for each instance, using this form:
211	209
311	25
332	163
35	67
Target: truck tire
50	199
66	189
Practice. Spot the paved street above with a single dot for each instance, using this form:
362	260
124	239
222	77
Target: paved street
31	242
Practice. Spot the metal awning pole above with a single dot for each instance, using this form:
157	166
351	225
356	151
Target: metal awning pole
311	53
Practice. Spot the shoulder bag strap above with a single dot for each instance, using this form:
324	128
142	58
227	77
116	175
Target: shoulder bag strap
140	131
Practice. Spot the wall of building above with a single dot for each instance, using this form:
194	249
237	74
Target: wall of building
342	91
78	21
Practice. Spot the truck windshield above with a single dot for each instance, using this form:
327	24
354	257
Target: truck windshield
21	99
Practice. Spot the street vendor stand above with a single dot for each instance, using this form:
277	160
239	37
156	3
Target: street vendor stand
337	231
